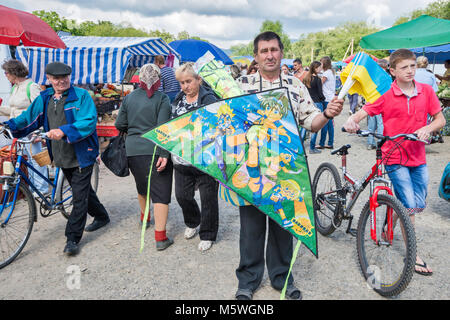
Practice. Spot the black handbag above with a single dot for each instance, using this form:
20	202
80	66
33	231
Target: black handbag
115	156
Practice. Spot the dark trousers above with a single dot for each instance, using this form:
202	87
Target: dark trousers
252	242
85	201
186	178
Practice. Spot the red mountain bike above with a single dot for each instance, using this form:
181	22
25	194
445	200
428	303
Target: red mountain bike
386	242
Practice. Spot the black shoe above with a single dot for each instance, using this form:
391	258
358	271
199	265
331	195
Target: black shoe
97	224
244	294
71	248
293	293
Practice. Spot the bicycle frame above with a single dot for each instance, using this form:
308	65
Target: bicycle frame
56	187
373	177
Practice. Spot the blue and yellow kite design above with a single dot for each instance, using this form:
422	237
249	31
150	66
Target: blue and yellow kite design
370	80
250	144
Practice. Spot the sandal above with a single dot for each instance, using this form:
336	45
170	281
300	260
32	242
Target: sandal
423	273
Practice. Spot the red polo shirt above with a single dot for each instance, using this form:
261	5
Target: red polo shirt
403	114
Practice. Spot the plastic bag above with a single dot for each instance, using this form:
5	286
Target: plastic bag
115	156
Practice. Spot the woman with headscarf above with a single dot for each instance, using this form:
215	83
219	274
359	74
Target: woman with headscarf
141	111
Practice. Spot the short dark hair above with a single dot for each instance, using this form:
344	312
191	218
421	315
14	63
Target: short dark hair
298	60
266	36
400	55
16	68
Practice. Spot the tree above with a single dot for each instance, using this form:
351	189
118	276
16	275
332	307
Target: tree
438	9
333	43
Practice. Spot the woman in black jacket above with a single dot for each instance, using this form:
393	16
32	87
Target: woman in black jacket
314	85
187	177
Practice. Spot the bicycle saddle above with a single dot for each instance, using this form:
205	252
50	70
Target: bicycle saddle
342	150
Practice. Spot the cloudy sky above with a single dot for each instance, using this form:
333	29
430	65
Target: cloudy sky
227	22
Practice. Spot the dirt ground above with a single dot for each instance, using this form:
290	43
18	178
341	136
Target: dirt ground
110	266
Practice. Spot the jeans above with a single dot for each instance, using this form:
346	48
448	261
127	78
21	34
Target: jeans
312	143
410	185
375	124
353	99
328	128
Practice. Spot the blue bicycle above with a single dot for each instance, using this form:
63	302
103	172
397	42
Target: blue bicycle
18	209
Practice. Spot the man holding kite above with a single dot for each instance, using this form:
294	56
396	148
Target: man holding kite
268	52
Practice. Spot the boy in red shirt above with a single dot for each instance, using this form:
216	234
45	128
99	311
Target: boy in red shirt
404	109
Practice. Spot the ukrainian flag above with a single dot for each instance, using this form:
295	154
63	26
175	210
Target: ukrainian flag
371	81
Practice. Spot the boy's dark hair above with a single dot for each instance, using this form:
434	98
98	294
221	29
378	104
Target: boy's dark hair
298	60
266	36
400	55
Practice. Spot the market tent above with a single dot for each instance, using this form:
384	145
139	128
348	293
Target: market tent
425	31
437	54
192	49
95	59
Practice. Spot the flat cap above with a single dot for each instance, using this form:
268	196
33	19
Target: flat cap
58	69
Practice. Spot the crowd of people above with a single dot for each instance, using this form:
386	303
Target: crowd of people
68	115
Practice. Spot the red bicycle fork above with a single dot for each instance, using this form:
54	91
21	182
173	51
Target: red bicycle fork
389	232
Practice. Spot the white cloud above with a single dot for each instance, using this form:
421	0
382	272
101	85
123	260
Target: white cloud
227	22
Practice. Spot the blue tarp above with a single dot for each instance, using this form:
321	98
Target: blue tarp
192	49
95	59
437	54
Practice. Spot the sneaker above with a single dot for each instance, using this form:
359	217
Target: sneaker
71	248
189	233
204	245
162	245
371	147
314	151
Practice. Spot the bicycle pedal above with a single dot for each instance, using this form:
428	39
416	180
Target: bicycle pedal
352	232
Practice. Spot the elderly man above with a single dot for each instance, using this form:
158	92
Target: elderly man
268	52
69	117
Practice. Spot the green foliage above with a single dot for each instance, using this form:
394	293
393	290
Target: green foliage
438	9
105	28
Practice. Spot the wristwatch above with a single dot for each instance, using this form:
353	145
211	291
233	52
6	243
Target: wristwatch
325	115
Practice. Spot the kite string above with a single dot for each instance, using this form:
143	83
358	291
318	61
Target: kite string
147	202
294	257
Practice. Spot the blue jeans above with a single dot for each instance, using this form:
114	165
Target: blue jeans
312	143
328	128
410	185
375	124
353	99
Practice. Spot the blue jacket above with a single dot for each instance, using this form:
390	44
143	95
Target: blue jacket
80	130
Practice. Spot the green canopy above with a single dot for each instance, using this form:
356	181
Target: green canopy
425	31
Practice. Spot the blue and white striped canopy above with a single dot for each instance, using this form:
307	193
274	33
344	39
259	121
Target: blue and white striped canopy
94	59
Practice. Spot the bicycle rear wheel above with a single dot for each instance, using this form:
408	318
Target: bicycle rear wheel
387	268
66	191
15	231
326	184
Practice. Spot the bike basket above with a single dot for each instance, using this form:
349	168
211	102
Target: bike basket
42	158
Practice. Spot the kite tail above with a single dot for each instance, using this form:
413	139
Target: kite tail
147	203
294	257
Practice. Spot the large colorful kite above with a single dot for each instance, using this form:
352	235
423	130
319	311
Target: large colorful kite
250	144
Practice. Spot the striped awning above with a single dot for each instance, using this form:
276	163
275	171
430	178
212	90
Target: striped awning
95	59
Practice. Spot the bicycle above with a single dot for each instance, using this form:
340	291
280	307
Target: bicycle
16	224
386	253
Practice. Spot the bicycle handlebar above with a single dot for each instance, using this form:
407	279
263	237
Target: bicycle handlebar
408	136
35	134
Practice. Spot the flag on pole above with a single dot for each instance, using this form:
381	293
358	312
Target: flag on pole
365	77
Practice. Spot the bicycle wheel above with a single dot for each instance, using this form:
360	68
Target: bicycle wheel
387	268
65	194
326	184
15	232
